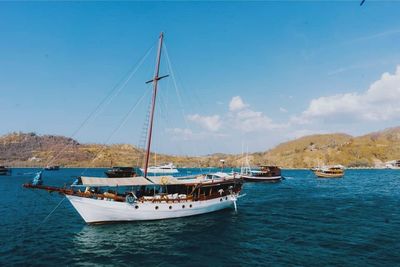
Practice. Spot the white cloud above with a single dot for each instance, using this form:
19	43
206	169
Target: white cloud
247	120
211	123
251	121
379	102
179	134
237	104
281	109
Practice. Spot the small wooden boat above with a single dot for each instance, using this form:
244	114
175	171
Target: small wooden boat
264	174
336	171
5	171
121	172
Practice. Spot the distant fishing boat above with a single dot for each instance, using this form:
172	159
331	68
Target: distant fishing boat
5	171
52	168
99	199
394	165
121	172
336	171
265	173
167	168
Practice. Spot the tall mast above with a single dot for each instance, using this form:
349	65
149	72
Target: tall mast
153	102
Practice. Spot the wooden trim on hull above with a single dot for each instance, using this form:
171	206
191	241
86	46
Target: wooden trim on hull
272	179
328	175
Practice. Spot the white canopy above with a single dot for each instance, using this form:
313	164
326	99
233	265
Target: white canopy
123	181
141	181
166	180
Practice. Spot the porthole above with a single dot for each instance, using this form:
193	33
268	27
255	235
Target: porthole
190	205
226	198
136	207
156	208
170	207
183	206
220	200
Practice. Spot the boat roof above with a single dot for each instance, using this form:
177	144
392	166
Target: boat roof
269	166
132	181
122	181
141	181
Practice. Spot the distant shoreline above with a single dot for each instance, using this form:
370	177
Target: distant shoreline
225	169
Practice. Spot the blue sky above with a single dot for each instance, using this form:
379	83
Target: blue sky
249	74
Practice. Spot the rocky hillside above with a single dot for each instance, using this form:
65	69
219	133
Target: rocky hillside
30	149
363	151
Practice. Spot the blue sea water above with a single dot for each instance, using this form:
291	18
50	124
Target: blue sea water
302	221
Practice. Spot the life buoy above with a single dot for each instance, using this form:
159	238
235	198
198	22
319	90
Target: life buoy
164	180
130	198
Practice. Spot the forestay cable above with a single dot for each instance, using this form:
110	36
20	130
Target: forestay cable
105	101
180	101
125	119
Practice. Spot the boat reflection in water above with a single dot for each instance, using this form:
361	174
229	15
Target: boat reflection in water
155	242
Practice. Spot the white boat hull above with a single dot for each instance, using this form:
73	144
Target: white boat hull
393	167
161	171
98	211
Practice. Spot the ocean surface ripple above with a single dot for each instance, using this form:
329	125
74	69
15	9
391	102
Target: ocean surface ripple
302	221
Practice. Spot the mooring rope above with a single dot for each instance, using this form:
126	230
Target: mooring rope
48	216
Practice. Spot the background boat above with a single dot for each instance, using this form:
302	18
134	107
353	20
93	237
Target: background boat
120	172
5	171
52	168
265	173
167	168
336	171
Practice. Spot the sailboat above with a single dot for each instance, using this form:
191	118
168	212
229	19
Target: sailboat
100	200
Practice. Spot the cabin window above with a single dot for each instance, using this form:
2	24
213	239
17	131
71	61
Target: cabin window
183	206
170	207
190	205
156	207
136	207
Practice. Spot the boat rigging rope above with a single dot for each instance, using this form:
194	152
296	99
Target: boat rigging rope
181	102
105	101
48	216
124	120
